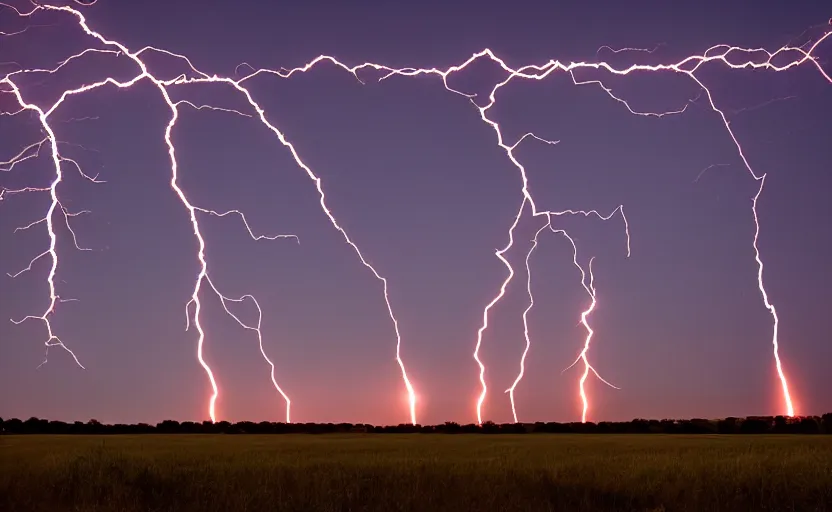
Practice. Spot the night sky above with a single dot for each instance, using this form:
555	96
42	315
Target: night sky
417	180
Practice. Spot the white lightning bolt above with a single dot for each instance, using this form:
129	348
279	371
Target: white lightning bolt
687	66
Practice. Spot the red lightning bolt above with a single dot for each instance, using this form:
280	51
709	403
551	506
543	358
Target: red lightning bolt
687	66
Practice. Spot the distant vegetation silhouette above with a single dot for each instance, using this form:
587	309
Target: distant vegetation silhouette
748	425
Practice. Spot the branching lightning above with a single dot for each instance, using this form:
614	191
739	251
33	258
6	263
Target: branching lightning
193	210
9	83
590	289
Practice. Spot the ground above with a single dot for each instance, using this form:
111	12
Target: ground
418	472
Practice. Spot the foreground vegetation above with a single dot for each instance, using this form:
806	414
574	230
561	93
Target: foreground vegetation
415	472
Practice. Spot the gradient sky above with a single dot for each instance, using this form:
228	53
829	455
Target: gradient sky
417	180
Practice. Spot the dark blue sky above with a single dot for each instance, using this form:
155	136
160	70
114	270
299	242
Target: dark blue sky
416	178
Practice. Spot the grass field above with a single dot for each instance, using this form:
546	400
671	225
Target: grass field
415	472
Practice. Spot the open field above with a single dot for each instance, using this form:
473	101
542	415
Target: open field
415	472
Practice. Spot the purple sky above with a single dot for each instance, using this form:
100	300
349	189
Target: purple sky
417	180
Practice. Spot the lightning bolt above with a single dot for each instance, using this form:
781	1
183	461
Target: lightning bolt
193	210
687	66
590	289
539	72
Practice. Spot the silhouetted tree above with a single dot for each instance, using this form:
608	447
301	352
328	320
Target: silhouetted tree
168	427
754	426
727	426
780	426
826	423
731	425
13	426
808	425
450	427
489	427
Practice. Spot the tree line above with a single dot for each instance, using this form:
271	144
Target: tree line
747	425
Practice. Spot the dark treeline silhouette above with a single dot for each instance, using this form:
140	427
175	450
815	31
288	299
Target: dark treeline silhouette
749	425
